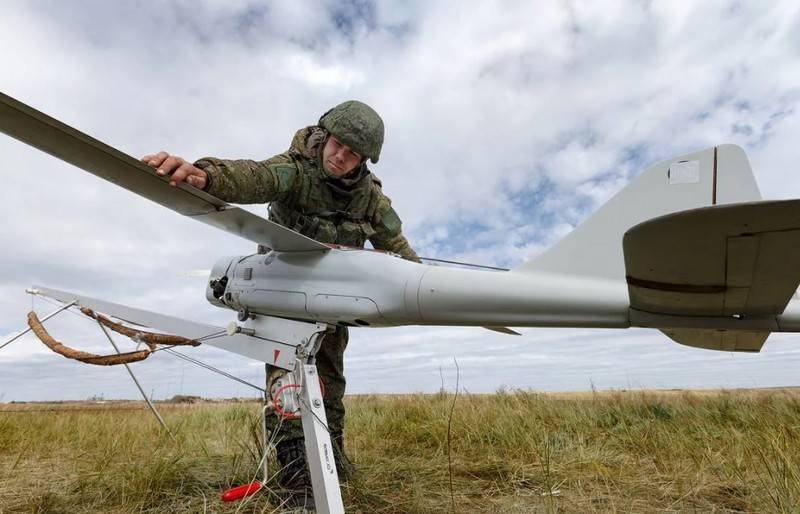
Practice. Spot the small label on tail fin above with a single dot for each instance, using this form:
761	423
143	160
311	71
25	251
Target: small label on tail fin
684	172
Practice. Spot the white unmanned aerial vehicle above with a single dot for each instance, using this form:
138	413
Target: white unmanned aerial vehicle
688	248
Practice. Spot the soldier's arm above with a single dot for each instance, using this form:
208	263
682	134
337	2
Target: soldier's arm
388	231
247	181
237	181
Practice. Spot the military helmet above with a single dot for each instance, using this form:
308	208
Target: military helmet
357	125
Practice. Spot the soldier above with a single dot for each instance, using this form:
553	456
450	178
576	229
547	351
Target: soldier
321	187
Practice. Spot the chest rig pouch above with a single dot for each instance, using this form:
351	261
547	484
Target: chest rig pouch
325	211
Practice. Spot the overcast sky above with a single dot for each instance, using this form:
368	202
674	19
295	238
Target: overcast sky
507	124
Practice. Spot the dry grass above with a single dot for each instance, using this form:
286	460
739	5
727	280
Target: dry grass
721	452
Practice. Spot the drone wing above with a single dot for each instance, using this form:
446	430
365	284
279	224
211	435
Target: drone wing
39	130
734	260
252	346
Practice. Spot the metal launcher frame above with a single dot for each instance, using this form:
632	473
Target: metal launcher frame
283	344
300	392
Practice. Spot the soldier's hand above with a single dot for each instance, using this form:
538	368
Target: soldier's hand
179	169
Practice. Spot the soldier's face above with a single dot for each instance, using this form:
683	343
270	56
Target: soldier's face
338	159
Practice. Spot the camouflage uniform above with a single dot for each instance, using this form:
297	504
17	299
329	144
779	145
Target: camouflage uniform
304	197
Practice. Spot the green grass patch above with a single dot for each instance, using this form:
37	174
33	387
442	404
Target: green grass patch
724	452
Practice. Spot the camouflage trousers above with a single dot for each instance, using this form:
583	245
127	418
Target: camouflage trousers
330	366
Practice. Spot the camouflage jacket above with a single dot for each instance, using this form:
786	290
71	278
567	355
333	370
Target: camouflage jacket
347	211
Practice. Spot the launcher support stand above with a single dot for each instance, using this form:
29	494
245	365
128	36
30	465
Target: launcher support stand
300	393
319	451
281	343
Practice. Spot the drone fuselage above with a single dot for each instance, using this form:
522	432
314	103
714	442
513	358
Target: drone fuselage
356	287
368	288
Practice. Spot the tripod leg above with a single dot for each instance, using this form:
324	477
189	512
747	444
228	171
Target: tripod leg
319	450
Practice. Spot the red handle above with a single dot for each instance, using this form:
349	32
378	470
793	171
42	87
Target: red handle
237	493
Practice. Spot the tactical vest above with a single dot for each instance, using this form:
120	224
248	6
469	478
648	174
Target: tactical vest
325	210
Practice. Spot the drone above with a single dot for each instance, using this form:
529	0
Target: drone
688	248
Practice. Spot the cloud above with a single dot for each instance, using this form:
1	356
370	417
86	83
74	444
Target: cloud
507	125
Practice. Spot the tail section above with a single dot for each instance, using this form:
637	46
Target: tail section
717	175
749	341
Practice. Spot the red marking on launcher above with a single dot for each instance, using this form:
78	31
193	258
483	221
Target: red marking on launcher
275	356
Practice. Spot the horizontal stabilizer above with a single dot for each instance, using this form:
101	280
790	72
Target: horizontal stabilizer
723	340
253	347
49	135
728	260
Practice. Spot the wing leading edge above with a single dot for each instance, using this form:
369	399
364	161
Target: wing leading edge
49	135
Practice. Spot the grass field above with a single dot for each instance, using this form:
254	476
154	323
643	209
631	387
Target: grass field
724	452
